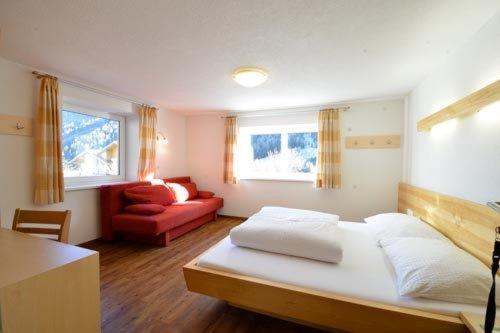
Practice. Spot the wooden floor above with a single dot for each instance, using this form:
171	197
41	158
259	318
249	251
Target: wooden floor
143	289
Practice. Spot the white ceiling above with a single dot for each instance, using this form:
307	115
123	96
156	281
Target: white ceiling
180	54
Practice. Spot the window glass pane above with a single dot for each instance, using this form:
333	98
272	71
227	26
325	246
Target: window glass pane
302	152
90	145
266	152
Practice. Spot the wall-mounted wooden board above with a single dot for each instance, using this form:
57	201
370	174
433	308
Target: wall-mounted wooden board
373	142
16	125
469	225
463	107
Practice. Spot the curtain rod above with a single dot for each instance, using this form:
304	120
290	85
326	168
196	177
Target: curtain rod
94	90
273	113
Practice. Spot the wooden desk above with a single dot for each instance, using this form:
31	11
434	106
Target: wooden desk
47	286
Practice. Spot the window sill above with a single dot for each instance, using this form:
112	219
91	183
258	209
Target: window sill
274	179
88	186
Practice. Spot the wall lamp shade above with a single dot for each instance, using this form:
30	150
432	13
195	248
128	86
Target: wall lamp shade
495	206
161	138
249	76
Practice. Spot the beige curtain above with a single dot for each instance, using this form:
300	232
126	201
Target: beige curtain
147	143
230	150
49	177
329	157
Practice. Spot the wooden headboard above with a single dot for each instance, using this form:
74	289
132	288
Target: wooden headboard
469	225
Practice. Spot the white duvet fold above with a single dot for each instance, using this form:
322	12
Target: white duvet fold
298	215
293	232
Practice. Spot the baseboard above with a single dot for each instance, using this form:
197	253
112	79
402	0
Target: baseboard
88	243
232	217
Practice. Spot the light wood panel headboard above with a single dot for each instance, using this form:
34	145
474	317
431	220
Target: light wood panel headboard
469	225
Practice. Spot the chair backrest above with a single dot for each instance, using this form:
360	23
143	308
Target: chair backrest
27	220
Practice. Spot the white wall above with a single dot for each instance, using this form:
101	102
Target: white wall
171	157
460	157
370	177
17	93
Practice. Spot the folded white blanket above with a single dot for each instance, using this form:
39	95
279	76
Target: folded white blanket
301	215
308	238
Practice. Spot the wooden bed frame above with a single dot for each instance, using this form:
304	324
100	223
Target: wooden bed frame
471	226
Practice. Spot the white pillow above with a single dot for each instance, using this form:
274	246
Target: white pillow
439	270
392	225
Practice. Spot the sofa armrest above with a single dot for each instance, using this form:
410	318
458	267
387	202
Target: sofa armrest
112	202
205	194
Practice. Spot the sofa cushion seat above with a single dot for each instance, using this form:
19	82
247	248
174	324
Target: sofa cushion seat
174	215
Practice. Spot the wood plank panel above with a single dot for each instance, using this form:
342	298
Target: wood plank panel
8	125
469	225
373	142
463	107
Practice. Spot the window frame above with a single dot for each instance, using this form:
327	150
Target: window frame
91	181
245	133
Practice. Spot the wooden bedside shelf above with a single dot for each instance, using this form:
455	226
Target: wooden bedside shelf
475	322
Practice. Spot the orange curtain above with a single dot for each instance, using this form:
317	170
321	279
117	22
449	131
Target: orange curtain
329	158
147	142
49	176
230	150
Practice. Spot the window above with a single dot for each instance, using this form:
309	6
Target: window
92	146
278	152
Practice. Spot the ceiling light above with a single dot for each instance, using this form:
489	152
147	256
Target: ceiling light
249	76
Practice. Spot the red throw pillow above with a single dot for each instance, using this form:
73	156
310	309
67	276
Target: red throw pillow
145	209
205	194
150	194
184	191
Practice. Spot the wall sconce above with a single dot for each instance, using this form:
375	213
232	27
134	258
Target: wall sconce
494	205
161	138
464	107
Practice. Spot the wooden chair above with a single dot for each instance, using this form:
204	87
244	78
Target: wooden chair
62	219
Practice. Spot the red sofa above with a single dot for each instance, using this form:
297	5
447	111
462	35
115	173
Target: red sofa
178	218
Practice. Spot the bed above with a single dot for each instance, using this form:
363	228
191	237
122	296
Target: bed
323	295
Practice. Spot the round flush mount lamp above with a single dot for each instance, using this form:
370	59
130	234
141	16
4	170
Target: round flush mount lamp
249	76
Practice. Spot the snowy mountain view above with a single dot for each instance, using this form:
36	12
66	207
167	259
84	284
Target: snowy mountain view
297	156
90	145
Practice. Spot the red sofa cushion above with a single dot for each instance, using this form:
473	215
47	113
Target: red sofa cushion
145	209
205	194
153	194
174	215
183	191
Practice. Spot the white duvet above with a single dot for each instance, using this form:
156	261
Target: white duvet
295	232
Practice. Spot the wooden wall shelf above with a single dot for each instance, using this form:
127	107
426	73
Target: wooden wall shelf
463	107
373	142
16	125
